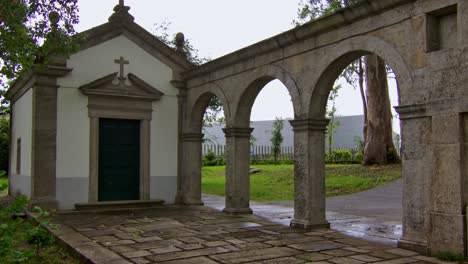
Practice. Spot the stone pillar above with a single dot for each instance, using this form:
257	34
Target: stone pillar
189	192
416	157
309	173
462	23
447	232
237	170
44	143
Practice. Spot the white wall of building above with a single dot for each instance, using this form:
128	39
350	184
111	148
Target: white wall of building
73	122
22	128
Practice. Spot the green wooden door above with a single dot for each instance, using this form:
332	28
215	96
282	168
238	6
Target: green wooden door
119	160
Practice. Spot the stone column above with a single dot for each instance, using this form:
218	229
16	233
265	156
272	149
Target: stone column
416	157
189	192
309	173
447	232
462	23
44	143
237	170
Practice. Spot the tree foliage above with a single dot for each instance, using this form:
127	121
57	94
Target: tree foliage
4	143
163	32
312	9
277	137
30	31
331	114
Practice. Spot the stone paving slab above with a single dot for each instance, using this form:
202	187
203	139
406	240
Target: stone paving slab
202	235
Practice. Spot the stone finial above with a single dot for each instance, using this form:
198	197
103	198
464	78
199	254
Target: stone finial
54	18
121	13
180	42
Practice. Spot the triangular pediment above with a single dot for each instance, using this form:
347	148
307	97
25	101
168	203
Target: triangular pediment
121	23
131	87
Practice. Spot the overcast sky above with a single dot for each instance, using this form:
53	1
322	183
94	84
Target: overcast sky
219	27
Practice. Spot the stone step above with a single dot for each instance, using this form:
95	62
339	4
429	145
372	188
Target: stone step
116	205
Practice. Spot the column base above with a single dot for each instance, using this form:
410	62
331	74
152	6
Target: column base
182	200
416	246
297	223
45	203
237	211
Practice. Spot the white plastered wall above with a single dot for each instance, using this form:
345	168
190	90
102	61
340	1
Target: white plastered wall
22	128
73	122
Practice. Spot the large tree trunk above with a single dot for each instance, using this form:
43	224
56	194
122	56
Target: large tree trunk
379	148
360	74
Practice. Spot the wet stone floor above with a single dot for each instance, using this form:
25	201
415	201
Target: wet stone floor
202	235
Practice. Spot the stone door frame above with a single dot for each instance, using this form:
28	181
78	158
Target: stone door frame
99	109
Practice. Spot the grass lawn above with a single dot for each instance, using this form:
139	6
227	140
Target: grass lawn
276	183
3	185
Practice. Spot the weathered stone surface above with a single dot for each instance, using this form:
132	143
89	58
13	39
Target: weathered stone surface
314	257
289	245
198	260
255	255
345	260
187	254
316	246
425	44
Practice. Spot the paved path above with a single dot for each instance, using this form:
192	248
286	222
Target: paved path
203	235
373	214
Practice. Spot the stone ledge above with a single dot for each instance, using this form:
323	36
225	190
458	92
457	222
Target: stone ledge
237	211
80	246
118	205
419	247
297	223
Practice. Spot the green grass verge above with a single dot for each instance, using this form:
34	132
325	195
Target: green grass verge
23	241
276	183
3	183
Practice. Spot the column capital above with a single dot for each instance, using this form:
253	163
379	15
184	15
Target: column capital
238	132
193	137
309	124
411	111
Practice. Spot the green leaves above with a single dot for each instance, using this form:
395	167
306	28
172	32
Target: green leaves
27	36
312	9
277	137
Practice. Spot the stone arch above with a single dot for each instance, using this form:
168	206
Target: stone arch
344	53
256	82
200	102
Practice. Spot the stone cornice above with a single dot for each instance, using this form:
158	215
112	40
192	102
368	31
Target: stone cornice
39	75
309	124
193	137
138	90
433	108
179	84
238	132
411	111
338	19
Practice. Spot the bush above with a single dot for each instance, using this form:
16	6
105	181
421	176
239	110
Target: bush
342	155
211	159
359	157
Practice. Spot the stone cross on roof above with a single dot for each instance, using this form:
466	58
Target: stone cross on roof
122	62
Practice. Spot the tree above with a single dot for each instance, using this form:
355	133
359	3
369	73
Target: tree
378	145
277	137
30	31
4	143
331	114
371	72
